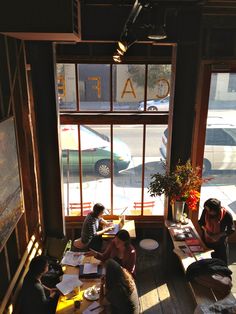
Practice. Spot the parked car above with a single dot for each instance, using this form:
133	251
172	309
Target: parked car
220	145
156	104
96	153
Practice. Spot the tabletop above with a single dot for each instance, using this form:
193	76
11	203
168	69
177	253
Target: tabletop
182	249
65	304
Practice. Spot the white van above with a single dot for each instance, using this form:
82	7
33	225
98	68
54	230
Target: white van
220	145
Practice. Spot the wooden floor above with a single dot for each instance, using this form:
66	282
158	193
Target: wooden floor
161	283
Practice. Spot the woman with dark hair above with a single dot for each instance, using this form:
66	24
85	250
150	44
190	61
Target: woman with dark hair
118	290
33	298
93	227
217	224
121	250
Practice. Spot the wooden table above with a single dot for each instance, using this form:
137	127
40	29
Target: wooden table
200	293
129	225
65	304
185	259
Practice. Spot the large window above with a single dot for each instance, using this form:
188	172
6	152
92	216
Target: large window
109	158
220	142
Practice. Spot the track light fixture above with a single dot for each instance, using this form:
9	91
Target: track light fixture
120	52
158	33
123	45
117	58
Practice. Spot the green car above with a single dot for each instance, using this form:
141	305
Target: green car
96	154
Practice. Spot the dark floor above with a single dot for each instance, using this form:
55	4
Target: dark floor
161	281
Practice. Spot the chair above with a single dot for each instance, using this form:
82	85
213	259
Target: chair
75	208
54	249
147	208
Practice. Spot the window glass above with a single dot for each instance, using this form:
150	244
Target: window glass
220	150
128	143
66	89
106	163
128	86
158	87
154	140
70	169
94	87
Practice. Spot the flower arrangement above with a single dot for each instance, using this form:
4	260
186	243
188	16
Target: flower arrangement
182	184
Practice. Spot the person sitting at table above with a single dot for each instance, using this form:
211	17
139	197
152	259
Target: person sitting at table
118	291
121	250
33	295
217	224
93	228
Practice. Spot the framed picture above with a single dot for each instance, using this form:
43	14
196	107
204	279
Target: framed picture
10	187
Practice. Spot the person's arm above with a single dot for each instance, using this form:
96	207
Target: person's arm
130	261
230	228
105	255
100	232
105	223
201	221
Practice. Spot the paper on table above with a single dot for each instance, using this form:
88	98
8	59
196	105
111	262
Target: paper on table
90	269
91	260
72	258
68	284
69	276
94	308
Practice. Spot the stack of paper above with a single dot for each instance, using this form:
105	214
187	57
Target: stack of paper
68	283
72	258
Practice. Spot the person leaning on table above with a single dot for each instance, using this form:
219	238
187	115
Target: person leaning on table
121	250
33	295
217	224
93	228
118	292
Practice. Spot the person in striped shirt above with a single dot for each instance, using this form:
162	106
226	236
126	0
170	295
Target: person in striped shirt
93	228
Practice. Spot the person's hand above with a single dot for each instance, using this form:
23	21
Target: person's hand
110	224
52	293
89	253
215	237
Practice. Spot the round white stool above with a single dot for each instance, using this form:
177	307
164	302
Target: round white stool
148	249
148	244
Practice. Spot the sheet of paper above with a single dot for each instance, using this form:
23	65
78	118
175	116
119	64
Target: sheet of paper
90	268
67	285
94	308
70	277
72	259
91	260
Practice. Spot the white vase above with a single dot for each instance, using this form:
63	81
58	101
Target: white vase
177	210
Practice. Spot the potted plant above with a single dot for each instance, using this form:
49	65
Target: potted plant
181	185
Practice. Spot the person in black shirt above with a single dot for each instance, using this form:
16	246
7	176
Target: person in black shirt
217	224
93	227
33	297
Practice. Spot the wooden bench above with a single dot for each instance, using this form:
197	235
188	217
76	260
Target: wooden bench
75	208
201	294
147	208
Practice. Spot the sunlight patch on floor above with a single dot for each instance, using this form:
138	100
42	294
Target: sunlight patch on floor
154	297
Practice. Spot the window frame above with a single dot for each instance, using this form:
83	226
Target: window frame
125	118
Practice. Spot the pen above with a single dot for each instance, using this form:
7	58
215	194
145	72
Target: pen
95	308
